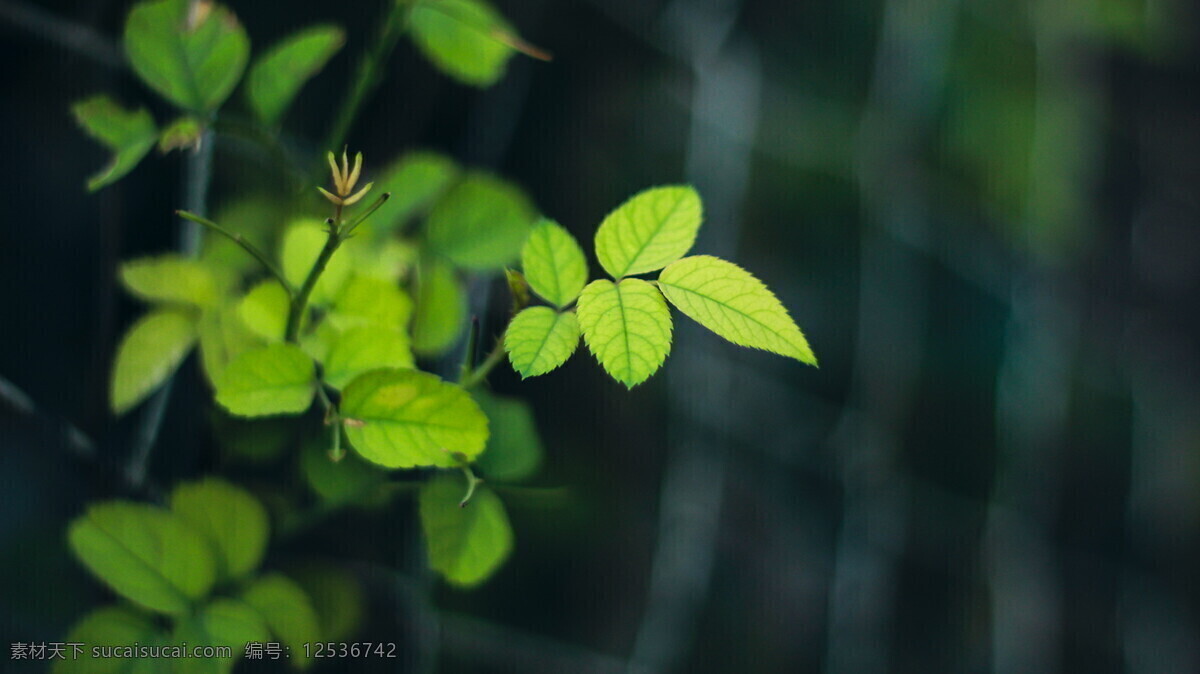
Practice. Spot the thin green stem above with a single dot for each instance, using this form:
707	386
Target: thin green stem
369	73
472	483
479	374
246	245
300	299
350	226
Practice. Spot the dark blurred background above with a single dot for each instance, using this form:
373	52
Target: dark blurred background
983	213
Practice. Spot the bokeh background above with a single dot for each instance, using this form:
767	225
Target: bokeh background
983	213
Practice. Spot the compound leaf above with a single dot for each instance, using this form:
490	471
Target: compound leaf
276	76
360	349
406	418
148	354
731	302
460	38
553	263
481	223
171	278
146	554
627	326
275	379
234	522
191	53
539	339
649	231
128	133
466	543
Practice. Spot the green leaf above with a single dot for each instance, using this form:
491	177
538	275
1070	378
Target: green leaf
649	231
117	626
171	278
148	354
539	339
337	597
276	76
627	326
466	544
350	480
252	441
146	554
128	133
728	300
302	244
514	448
481	223
365	348
256	218
264	310
441	309
275	379
406	418
414	181
366	300
233	623
183	133
234	521
223	335
288	611
554	264
193	58
460	38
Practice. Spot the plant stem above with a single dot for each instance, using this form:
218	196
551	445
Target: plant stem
300	299
369	74
246	245
478	375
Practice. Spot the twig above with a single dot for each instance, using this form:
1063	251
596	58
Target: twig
250	248
69	35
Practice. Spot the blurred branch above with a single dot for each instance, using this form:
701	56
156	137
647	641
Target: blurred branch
71	36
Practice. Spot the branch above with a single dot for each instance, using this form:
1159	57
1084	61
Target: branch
246	245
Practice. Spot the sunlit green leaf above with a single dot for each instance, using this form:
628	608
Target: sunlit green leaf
191	53
728	300
627	326
350	480
405	418
554	263
358	350
539	339
264	310
441	309
171	278
277	75
514	448
302	244
481	223
275	379
336	595
649	231
116	626
288	611
414	181
233	520
366	300
223	335
466	544
128	133
144	553
461	38
148	354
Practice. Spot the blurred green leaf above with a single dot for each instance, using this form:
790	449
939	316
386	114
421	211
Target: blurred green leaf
406	418
191	53
288	611
277	75
252	441
649	231
366	300
731	302
350	480
276	379
336	595
514	448
233	520
627	326
148	354
128	133
181	134
302	244
364	348
466	544
223	335
144	553
415	180
115	626
171	278
264	310
539	339
554	264
256	219
441	308
462	38
481	223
